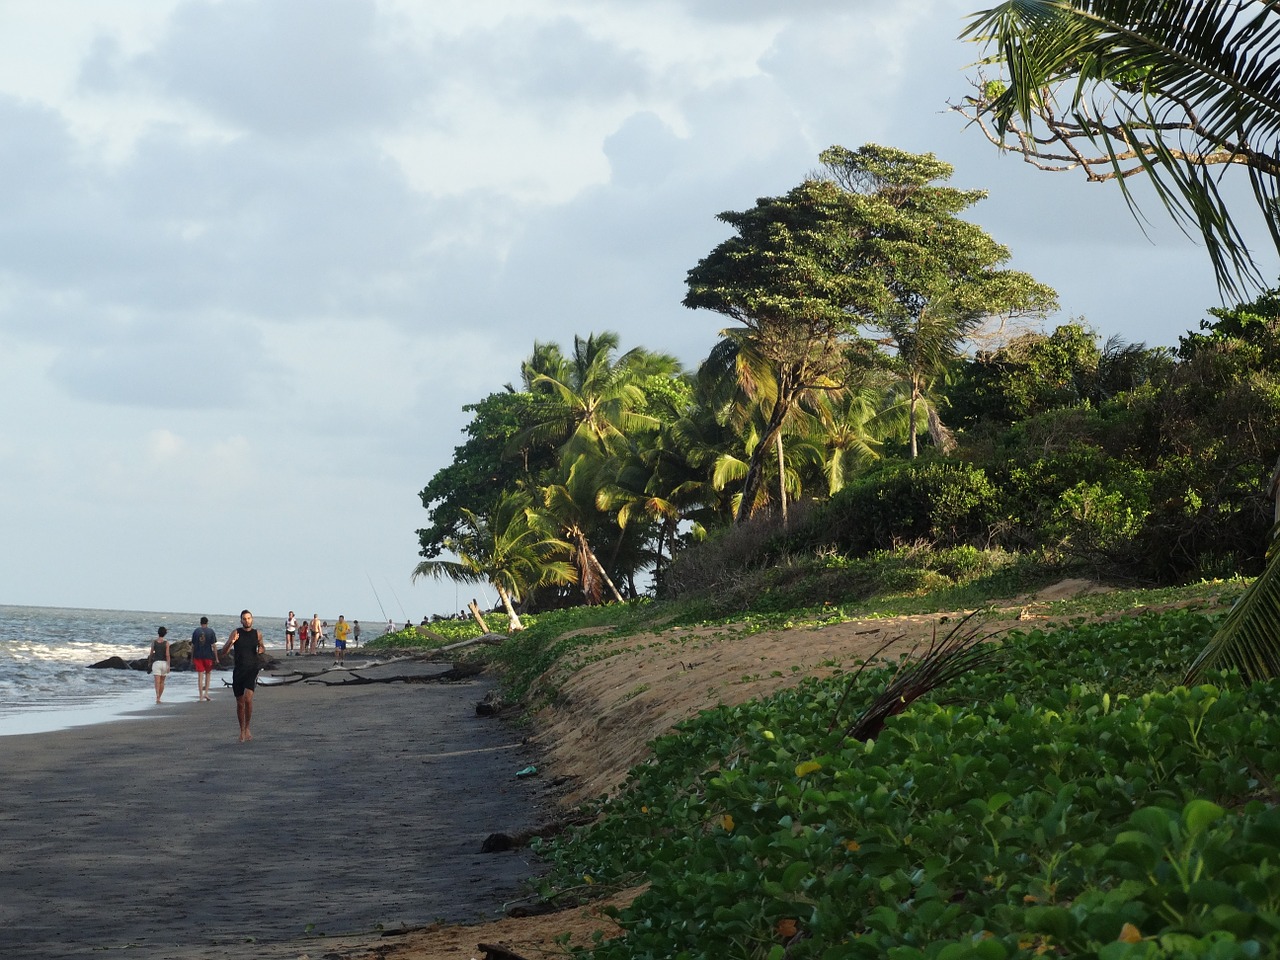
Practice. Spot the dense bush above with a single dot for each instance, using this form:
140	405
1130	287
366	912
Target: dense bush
943	503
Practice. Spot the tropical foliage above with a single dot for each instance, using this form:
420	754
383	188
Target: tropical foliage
1067	799
1169	90
853	411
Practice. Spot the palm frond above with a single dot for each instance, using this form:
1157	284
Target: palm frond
1166	88
962	650
1249	637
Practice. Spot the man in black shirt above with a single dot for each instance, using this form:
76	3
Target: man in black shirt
244	675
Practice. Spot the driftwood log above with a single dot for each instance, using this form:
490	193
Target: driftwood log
499	842
496	951
459	671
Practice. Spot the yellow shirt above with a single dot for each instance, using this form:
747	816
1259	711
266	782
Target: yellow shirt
340	630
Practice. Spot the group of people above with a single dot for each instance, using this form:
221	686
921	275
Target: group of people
309	635
248	646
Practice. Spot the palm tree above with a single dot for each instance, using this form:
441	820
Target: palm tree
1118	88
590	402
505	549
844	432
569	512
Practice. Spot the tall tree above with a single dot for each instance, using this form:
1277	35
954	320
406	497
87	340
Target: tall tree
874	242
783	277
1170	89
927	278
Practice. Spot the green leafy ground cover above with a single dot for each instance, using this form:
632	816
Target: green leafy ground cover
1071	800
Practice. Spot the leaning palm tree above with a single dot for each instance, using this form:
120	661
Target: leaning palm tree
1169	89
505	549
568	512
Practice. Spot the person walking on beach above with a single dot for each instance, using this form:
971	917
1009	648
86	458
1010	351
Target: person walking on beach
244	675
304	635
290	631
315	631
355	632
204	651
340	631
158	661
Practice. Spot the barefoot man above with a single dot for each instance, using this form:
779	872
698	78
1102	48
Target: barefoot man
244	675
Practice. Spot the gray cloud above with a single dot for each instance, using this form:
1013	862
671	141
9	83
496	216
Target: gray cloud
284	68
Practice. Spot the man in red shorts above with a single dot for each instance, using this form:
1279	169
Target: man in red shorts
204	651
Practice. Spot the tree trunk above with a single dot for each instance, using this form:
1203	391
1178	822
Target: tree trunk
475	612
782	477
911	423
513	618
755	469
592	562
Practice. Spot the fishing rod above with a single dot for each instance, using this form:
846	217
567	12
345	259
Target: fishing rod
393	593
375	594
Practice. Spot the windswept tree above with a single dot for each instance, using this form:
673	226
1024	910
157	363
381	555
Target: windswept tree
506	549
783	277
1178	91
874	244
927	279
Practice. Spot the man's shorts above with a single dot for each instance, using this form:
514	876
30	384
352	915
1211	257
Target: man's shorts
202	666
159	669
242	680
339	644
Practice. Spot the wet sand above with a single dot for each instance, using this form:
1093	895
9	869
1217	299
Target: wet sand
353	810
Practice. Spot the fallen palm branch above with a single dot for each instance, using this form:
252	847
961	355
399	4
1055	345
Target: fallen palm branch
961	651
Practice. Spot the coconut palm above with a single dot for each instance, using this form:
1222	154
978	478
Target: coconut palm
505	549
592	401
1166	88
568	511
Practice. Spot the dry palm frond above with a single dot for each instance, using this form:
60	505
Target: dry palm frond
962	650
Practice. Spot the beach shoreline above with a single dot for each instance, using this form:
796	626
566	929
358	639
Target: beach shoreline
355	809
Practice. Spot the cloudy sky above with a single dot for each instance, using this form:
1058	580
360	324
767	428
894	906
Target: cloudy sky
255	255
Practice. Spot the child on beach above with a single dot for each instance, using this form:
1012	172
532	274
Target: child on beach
159	661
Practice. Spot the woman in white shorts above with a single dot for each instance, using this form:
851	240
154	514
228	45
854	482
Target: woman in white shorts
159	660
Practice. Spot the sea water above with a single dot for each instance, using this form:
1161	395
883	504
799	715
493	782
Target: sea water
46	653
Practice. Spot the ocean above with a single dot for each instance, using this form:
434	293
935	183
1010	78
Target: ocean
45	653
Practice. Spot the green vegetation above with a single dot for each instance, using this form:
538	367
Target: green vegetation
852	431
1071	799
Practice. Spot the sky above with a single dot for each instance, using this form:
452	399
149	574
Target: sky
256	255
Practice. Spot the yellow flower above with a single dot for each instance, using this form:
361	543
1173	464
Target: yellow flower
727	822
853	846
808	767
1130	934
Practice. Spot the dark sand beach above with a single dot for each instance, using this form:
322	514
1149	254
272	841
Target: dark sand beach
353	810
